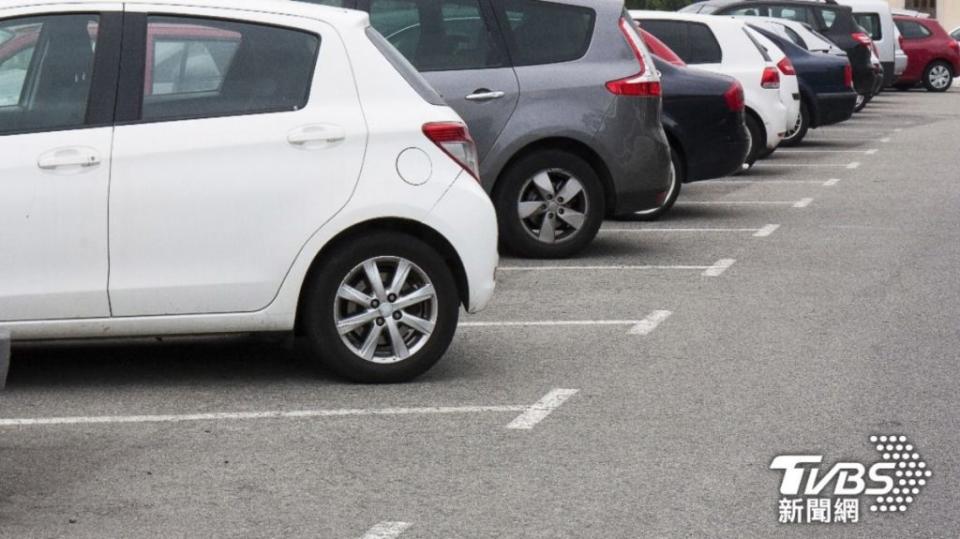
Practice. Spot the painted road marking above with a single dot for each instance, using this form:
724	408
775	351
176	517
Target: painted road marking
795	203
803	165
717	269
541	409
650	323
766	231
387	530
603	268
803	203
816	150
739	180
854	165
831	182
637	327
653	230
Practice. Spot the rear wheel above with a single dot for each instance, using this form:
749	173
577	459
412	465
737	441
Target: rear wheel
677	168
383	308
549	204
861	102
757	139
938	77
795	135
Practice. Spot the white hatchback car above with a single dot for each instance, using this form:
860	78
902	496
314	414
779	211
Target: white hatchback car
240	167
725	45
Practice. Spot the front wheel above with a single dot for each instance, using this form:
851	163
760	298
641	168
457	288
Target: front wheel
383	308
795	135
549	204
938	77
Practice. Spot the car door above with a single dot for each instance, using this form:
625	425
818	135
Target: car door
238	136
58	70
457	46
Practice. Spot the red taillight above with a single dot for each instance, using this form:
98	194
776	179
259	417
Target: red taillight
786	66
770	78
640	84
848	76
734	97
454	139
862	38
954	45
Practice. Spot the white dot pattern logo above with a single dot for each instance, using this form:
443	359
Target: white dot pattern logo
908	464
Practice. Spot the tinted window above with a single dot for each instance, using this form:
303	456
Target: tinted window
46	65
754	11
829	17
438	35
792	13
955	34
199	68
871	23
756	43
794	37
546	33
692	41
912	30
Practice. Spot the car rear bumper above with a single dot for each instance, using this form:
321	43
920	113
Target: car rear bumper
719	156
834	107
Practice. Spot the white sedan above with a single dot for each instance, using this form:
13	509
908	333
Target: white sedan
238	168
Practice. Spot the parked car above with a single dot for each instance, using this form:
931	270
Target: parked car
567	133
955	33
934	54
703	116
875	18
830	19
255	170
826	81
724	45
901	59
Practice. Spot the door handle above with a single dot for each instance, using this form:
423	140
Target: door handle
79	156
324	133
484	95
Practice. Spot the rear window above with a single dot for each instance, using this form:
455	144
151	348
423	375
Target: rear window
693	42
545	32
793	13
760	48
912	30
871	23
829	17
406	70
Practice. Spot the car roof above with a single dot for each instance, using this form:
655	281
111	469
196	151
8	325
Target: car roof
275	7
830	4
677	16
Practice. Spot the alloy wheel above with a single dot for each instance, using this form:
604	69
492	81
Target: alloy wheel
386	309
552	206
939	76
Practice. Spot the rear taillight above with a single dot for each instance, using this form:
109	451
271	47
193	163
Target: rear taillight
734	97
848	76
770	78
641	84
861	38
454	139
954	45
786	66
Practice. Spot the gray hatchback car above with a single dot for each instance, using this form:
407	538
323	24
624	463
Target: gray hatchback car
562	99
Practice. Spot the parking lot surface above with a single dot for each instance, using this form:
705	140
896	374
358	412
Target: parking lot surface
640	390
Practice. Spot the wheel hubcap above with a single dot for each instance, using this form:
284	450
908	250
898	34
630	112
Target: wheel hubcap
939	77
552	206
386	309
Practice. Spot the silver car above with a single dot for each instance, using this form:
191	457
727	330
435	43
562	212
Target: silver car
562	99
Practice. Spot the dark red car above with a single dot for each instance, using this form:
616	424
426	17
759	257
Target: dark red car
934	56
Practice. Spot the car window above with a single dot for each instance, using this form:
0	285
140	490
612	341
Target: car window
792	13
912	30
438	35
693	42
50	90
829	17
871	23
794	37
753	11
756	43
201	68
533	24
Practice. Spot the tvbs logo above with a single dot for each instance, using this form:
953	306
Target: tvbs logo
895	480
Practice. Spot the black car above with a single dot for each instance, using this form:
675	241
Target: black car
829	18
703	117
826	89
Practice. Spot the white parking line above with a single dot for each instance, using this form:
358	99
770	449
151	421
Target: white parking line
717	269
854	165
803	203
831	182
650	323
541	409
741	180
654	230
766	231
817	150
885	139
387	530
603	268
804	165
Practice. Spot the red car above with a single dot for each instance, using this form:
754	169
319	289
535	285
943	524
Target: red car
934	56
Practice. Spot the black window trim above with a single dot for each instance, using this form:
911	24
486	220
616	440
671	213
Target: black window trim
133	67
103	81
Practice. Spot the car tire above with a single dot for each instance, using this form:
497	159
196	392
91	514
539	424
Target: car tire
938	76
757	139
535	221
678	169
861	102
340	289
799	131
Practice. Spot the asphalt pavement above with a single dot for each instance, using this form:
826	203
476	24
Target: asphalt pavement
640	390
